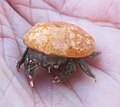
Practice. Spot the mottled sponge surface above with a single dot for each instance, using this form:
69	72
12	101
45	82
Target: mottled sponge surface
59	39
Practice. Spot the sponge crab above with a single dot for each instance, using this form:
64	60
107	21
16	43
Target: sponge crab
53	44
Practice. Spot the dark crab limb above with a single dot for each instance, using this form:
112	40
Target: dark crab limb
21	60
94	54
66	72
29	63
30	73
86	69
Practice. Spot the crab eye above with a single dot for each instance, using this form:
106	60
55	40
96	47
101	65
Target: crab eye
56	66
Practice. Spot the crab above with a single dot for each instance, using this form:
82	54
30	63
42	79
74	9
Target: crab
53	44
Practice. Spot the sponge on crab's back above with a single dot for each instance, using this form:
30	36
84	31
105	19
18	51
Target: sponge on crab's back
59	39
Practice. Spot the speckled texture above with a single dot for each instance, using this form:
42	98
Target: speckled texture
60	39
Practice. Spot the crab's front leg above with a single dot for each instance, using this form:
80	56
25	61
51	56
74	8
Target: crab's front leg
21	60
30	66
30	74
86	69
66	72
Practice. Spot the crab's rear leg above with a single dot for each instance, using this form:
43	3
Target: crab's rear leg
66	72
94	54
21	59
86	69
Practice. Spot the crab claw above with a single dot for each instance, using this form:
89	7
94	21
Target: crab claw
30	80
56	80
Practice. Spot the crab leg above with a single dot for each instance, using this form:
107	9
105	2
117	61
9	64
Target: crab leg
21	60
30	65
94	54
86	69
30	74
66	72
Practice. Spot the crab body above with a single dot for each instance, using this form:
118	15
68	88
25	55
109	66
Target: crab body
53	44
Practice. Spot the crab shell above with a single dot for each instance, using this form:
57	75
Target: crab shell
59	39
